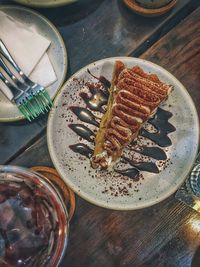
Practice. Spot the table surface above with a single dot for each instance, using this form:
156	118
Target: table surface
166	234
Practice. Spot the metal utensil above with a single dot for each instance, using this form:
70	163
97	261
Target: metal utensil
35	90
23	87
25	102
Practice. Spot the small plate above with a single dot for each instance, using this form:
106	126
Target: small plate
56	52
149	12
45	3
105	188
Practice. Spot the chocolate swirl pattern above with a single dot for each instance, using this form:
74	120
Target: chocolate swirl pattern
134	97
123	125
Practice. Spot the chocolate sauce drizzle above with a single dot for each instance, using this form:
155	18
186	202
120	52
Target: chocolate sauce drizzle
95	101
84	115
132	173
82	149
83	131
160	122
106	84
142	166
153	152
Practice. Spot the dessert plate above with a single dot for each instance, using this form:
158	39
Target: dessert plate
56	52
161	165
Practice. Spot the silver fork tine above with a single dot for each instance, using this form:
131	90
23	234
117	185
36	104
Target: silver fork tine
12	76
15	91
29	105
6	54
20	85
18	96
4	51
35	88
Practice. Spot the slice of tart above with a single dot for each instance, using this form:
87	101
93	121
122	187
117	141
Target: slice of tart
134	98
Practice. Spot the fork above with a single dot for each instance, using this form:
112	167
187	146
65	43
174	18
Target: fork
21	86
25	103
37	91
30	106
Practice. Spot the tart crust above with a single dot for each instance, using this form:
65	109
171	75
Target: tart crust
134	97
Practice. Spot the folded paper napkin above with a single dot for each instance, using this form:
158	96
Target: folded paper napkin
28	48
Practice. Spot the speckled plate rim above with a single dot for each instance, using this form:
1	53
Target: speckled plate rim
46	5
92	199
19	118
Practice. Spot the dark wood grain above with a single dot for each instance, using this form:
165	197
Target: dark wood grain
14	137
167	234
164	235
93	30
179	53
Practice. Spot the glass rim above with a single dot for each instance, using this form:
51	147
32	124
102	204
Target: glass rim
61	209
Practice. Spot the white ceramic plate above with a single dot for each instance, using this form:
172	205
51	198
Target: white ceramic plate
89	183
56	52
45	3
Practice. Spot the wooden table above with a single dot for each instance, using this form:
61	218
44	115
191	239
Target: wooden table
166	234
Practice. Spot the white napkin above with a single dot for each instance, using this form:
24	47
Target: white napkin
28	48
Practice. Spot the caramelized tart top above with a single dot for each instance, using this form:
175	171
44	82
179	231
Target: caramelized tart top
134	97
